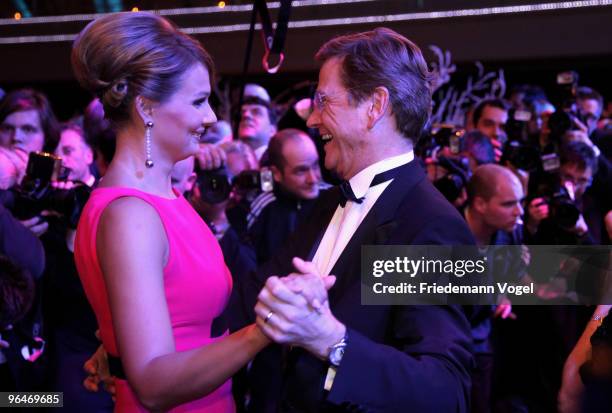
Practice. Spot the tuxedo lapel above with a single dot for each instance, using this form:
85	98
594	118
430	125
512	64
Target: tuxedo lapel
320	220
376	227
305	374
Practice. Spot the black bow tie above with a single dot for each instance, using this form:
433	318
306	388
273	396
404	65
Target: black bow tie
347	192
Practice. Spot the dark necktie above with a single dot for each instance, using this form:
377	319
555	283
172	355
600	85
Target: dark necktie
349	196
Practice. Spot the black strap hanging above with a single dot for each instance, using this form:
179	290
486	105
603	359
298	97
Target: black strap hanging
274	40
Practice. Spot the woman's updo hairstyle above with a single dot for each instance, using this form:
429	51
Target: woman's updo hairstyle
122	55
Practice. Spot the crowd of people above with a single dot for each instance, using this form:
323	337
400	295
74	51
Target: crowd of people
196	265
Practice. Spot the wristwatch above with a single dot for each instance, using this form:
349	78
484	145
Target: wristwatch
336	352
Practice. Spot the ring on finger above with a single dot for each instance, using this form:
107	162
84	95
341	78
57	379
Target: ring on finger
268	317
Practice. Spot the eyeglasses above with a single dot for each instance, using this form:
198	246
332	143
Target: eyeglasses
320	100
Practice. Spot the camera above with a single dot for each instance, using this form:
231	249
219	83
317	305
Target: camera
440	136
562	209
519	152
521	155
516	127
36	192
216	186
452	184
563	120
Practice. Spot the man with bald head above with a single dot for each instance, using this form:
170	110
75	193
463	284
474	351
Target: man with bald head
494	203
294	163
493	214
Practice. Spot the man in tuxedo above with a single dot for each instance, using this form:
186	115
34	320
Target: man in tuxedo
371	104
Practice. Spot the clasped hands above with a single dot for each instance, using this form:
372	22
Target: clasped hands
295	310
290	310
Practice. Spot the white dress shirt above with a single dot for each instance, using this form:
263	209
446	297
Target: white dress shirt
345	221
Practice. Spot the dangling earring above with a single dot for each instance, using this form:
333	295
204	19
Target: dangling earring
148	161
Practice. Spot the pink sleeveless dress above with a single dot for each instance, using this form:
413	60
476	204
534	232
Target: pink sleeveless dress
196	281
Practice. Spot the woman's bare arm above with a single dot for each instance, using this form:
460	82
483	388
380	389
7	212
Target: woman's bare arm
133	248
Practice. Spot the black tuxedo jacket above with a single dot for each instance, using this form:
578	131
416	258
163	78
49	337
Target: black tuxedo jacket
398	358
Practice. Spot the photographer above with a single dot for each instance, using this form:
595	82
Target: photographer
27	124
493	214
589	103
275	215
216	199
598	196
494	207
557	207
211	193
579	109
490	117
76	153
450	157
211	205
70	323
450	175
563	211
478	149
240	157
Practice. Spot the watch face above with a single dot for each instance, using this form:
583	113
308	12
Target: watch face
336	356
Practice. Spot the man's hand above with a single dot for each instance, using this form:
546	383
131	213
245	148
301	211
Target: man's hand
305	282
580	126
581	227
497	148
210	156
555	289
37	225
13	165
97	369
504	309
498	141
287	317
538	210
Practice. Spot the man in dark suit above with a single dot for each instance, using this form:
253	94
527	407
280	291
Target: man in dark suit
372	102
